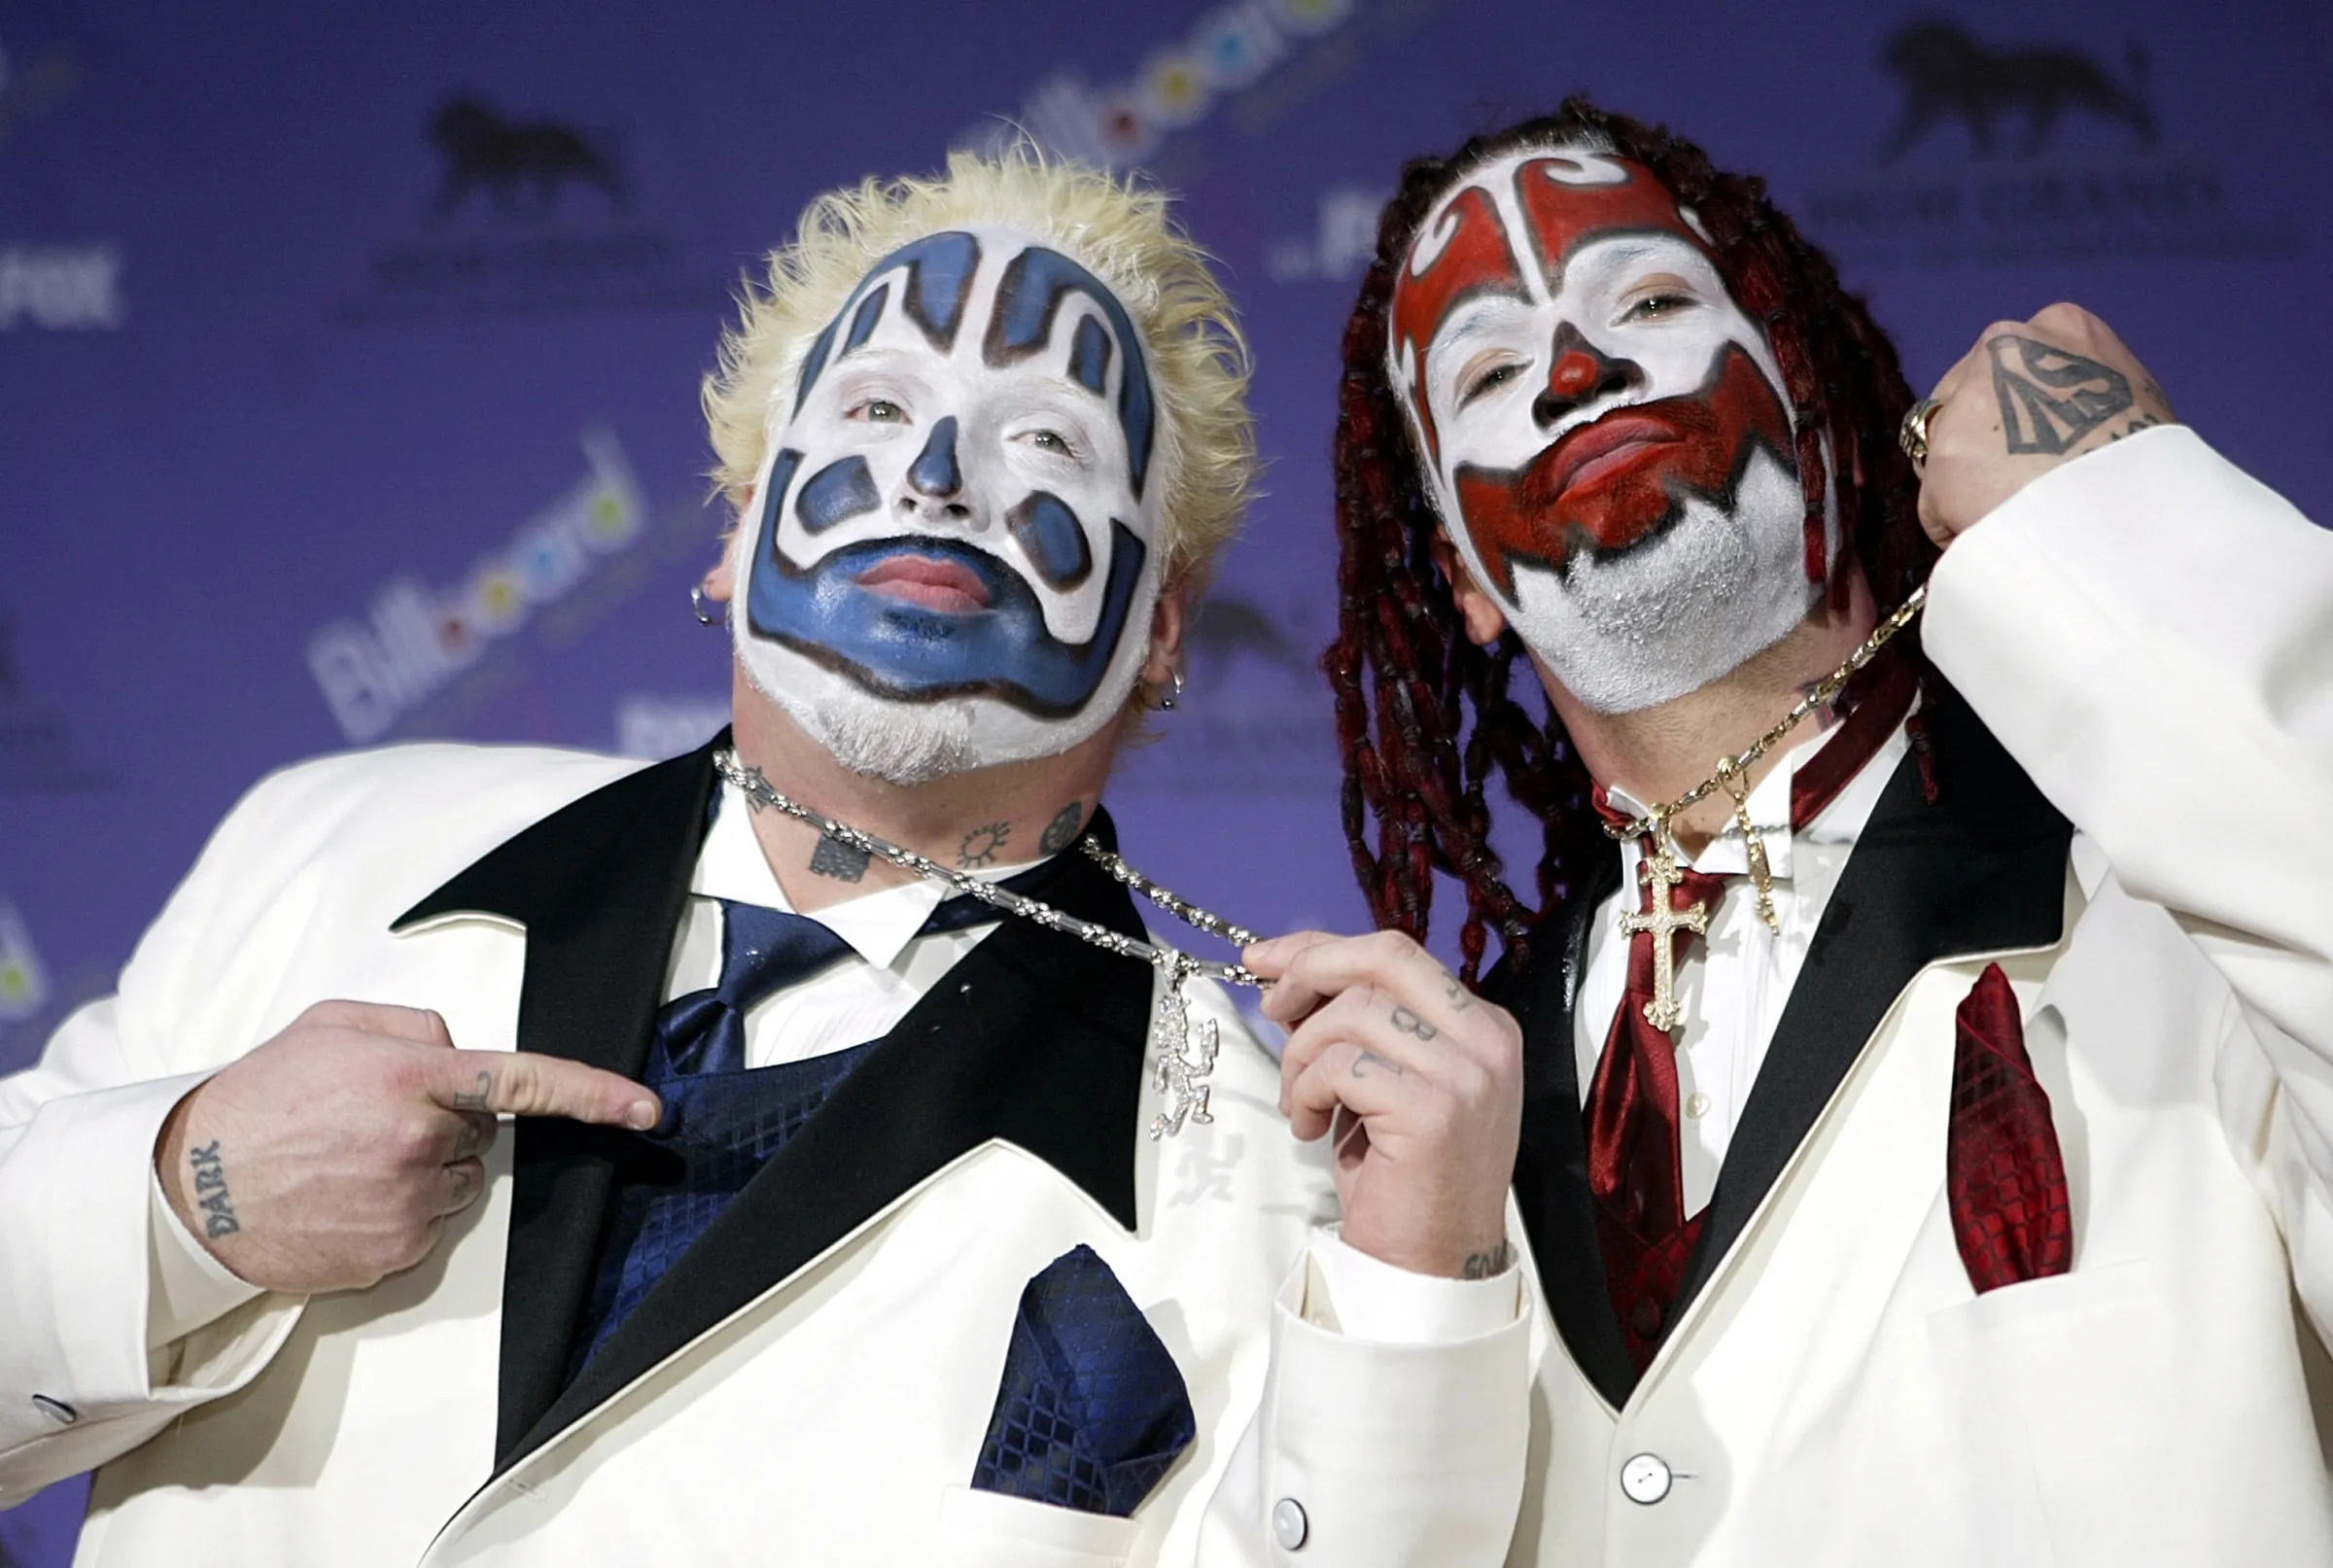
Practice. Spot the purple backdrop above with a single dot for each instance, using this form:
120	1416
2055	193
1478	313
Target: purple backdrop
348	358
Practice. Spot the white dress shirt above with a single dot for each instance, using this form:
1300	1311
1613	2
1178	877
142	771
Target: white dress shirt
1732	985
846	1003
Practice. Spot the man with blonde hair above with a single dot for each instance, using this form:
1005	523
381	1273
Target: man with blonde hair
824	1226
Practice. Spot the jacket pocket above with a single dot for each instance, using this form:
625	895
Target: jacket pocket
981	1529
2047	1384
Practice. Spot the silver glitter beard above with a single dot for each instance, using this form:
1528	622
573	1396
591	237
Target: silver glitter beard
1642	626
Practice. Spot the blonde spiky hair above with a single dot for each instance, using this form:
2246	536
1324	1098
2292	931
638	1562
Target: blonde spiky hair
1118	232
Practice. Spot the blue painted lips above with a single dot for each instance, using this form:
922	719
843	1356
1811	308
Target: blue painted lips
911	652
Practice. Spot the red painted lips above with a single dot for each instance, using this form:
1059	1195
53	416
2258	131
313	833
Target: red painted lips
931	581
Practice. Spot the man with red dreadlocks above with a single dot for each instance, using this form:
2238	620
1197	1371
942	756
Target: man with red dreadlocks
1918	1071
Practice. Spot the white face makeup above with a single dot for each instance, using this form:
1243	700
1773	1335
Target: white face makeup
1602	426
952	560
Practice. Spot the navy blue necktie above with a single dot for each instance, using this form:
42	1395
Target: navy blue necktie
722	1121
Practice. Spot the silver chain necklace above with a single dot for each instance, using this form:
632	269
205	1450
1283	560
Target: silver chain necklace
1186	1050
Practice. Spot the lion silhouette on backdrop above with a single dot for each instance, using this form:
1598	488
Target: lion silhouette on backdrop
1949	75
1228	628
520	165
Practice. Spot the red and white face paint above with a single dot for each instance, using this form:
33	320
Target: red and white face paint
1604	424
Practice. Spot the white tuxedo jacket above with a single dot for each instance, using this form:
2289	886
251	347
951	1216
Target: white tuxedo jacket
812	1381
2149	635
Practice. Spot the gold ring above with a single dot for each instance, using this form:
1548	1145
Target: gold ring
1912	434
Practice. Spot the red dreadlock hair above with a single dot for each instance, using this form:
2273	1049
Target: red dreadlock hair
1403	668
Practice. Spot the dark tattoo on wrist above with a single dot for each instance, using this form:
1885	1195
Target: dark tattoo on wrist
210	1191
1489	1265
834	858
980	846
1408	1023
474	1099
1062	831
1368	1061
2050	400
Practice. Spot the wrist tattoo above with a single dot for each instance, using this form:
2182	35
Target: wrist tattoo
1408	1023
474	1099
834	858
2051	400
1489	1265
1062	831
210	1191
981	845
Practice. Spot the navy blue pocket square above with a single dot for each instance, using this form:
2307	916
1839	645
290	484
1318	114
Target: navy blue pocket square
1093	1411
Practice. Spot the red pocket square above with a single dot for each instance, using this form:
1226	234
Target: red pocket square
2003	1172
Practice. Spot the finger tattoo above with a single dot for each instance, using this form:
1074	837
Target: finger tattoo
476	1099
461	1181
1460	1002
1369	1062
1408	1023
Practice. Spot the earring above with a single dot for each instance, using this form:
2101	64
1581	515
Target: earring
1174	696
697	599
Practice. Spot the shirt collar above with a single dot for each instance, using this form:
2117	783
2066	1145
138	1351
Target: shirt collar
878	925
1839	823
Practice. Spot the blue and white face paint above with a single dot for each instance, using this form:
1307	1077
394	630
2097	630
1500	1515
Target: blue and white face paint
952	555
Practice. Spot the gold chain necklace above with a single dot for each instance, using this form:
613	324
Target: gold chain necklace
1186	1050
1661	867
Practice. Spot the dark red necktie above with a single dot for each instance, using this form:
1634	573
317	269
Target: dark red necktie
1634	1149
2003	1174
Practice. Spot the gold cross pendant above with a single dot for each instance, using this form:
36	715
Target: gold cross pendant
1659	870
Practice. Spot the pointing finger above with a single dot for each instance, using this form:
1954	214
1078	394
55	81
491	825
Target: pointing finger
520	1083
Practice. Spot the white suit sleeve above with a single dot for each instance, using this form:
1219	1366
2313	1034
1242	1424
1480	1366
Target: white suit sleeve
1405	1445
81	1379
2150	632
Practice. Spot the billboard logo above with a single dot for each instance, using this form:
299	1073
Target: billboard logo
656	727
23	982
520	167
1231	48
1950	76
417	639
61	287
1342	243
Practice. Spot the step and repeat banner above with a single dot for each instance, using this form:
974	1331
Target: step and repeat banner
348	354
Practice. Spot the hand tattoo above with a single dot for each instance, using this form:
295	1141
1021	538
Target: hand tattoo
1408	1023
1460	1000
1489	1265
980	846
210	1191
1062	831
1368	1060
834	858
2051	400
474	1099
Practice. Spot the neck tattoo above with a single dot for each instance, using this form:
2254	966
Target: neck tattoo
1185	1048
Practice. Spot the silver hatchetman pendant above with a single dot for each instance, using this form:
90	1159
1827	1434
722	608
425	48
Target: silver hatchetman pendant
1186	1055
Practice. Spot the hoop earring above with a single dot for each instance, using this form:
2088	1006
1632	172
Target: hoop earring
698	601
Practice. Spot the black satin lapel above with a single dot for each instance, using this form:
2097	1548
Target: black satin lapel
1550	1165
1982	870
1035	1038
600	885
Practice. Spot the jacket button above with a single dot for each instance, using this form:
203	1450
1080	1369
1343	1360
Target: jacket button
1645	1479
56	1409
1289	1526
